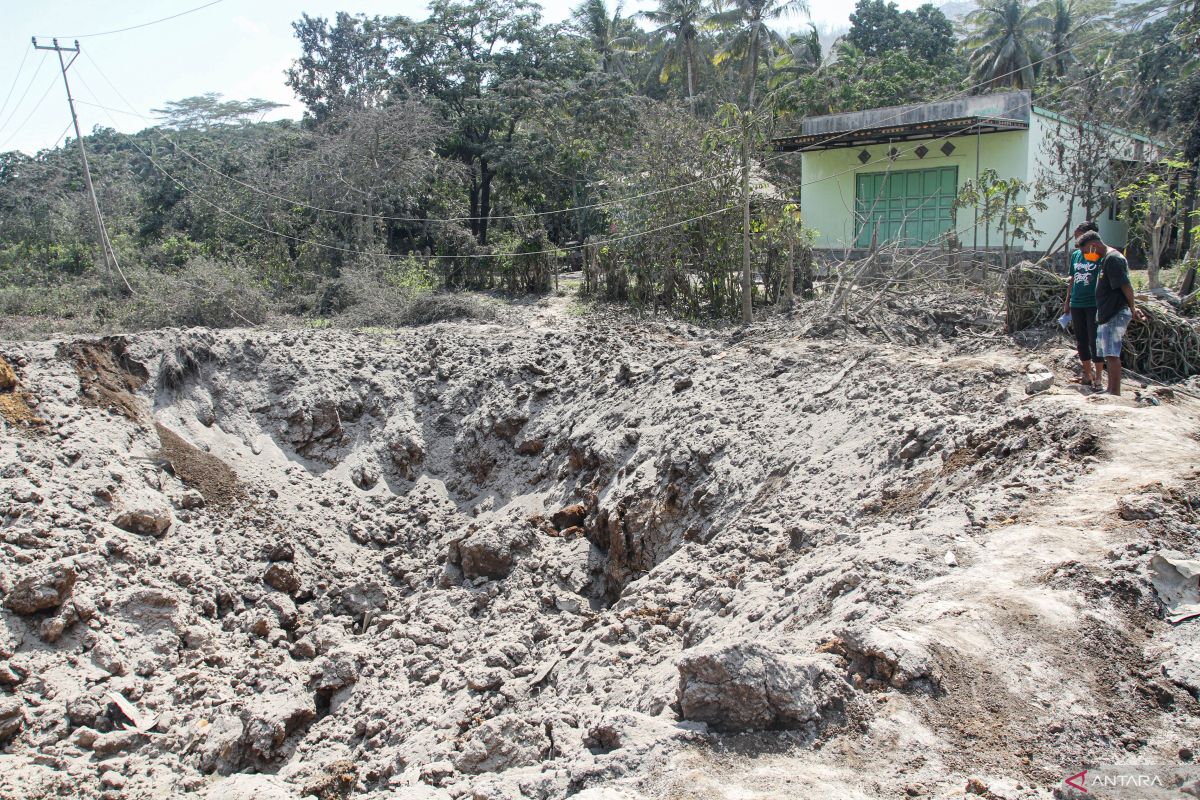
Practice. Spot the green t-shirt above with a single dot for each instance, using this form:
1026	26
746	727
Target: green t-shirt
1083	281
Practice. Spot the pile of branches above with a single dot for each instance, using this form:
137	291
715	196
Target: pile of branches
1032	296
1165	347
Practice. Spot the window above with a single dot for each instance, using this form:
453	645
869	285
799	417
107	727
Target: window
911	206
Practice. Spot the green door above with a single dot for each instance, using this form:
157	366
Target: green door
911	206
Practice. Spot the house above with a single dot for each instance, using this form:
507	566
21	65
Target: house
894	173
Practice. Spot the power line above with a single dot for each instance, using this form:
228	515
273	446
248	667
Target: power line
142	25
16	78
33	111
28	86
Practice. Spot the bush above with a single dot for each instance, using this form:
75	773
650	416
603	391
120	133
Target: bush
204	293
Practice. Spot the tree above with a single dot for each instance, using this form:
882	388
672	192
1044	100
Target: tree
677	30
878	28
853	82
1153	205
208	110
1005	42
483	64
343	66
611	37
750	38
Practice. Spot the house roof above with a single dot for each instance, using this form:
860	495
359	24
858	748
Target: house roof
990	113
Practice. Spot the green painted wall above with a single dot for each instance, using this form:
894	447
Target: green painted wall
827	192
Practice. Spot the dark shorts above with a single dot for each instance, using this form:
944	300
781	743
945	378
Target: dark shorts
1083	322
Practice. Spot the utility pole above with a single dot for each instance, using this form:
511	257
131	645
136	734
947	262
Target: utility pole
110	256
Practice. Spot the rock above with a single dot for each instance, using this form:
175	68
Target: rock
115	742
750	686
436	773
12	718
1038	382
950	559
282	578
878	658
501	743
1037	367
489	552
333	671
570	517
218	744
146	513
46	588
1139	507
682	383
336	780
531	447
271	718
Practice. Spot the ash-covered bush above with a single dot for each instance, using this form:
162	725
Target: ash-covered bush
202	293
443	307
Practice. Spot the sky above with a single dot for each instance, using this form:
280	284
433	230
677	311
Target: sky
239	48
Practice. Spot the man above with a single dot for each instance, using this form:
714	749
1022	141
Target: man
1080	303
1115	304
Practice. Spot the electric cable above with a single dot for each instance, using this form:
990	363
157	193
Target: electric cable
137	27
28	86
16	78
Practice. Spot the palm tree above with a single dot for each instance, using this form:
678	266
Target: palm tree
1069	20
751	38
801	58
1006	42
678	27
611	37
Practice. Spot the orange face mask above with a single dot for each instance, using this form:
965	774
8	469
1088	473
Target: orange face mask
1093	257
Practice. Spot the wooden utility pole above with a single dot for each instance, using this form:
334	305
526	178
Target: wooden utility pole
110	256
747	275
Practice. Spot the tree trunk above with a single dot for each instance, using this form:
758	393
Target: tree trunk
485	199
789	297
747	278
691	86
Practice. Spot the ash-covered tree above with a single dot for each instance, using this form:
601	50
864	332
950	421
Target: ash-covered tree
1007	42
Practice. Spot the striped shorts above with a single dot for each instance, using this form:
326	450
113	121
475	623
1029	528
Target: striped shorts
1110	334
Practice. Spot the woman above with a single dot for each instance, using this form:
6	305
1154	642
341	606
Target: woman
1080	303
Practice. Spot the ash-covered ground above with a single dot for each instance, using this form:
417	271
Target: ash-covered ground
584	556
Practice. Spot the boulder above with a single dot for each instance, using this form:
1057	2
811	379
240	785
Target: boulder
46	587
283	578
501	743
1036	382
218	744
271	718
146	513
12	717
748	686
489	552
1140	507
